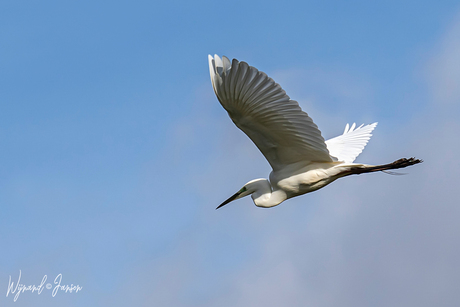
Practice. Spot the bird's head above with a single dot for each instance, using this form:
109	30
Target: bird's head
256	187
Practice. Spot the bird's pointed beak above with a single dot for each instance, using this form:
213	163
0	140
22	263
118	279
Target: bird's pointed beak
232	198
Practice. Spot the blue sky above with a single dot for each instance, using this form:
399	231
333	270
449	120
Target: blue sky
115	153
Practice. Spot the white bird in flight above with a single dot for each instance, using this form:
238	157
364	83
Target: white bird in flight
302	161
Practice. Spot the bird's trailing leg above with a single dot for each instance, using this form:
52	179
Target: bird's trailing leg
362	169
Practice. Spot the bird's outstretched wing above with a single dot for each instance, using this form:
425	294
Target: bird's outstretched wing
350	144
261	109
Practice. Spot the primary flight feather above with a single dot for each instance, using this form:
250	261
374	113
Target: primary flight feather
301	159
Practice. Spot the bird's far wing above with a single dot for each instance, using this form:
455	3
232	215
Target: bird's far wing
261	109
350	144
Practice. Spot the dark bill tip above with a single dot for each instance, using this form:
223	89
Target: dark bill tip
230	199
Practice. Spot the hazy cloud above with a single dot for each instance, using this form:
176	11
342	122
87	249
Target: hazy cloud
445	67
370	240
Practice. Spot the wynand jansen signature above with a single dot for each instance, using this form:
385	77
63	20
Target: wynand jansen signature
21	288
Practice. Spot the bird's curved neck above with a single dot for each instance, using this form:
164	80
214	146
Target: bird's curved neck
268	198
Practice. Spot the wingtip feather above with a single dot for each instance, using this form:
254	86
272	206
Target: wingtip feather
351	143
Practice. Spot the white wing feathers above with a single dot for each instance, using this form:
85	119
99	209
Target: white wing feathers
261	109
350	144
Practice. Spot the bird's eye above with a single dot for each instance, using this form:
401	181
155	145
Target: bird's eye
243	189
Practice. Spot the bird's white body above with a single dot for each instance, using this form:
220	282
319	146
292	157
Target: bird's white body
296	179
301	159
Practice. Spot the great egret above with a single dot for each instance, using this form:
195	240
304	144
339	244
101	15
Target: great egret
302	161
